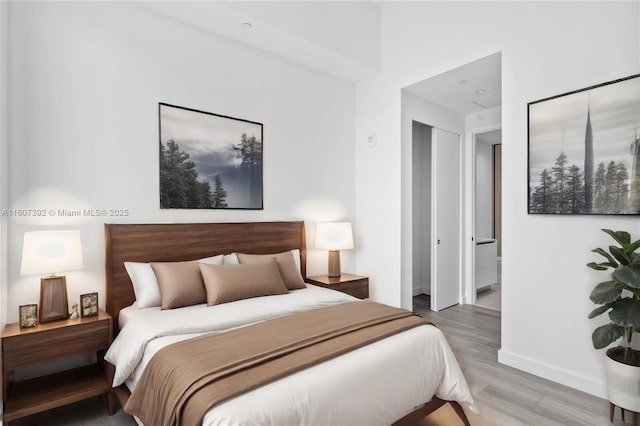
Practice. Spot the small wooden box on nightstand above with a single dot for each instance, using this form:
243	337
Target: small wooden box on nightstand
355	285
24	347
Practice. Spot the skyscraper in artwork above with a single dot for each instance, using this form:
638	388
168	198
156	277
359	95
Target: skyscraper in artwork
633	205
588	164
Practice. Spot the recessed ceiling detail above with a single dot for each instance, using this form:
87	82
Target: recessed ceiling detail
489	101
448	90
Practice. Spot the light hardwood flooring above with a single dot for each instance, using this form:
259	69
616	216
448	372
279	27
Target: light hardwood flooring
491	298
506	396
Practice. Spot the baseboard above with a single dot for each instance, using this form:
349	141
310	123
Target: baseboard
549	372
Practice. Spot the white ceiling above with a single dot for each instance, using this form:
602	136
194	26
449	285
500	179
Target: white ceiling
317	34
470	88
313	33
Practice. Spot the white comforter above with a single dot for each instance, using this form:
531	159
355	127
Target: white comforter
373	385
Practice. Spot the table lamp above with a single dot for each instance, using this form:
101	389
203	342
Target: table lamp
334	236
49	252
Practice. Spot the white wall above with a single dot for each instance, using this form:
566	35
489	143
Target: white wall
85	82
484	190
3	164
547	48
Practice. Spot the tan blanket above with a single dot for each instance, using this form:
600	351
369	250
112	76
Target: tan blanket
184	380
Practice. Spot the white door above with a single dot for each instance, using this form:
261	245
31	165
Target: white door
445	219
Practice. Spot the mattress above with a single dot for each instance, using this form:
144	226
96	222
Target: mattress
373	385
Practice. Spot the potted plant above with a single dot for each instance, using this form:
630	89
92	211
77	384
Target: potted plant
620	295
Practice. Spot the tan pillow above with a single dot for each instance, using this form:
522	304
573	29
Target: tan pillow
235	282
286	265
180	284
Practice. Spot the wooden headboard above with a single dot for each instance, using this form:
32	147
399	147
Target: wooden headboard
188	241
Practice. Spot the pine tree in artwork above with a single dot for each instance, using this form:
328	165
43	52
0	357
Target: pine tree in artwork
179	185
542	199
250	151
559	174
575	190
600	189
219	194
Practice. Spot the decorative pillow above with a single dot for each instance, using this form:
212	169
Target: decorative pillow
145	284
286	265
235	282
180	284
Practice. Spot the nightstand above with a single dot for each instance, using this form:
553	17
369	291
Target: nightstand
25	347
354	285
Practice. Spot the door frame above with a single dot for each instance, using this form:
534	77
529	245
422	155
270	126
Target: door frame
469	295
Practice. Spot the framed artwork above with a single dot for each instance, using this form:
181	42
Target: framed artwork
584	151
209	161
28	315
89	305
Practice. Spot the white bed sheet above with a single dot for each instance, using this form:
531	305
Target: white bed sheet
373	385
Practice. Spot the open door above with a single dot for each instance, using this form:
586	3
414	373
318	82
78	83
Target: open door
445	219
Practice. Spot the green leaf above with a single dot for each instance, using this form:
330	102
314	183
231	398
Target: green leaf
606	292
634	246
623	238
599	310
597	266
626	313
604	335
627	276
619	254
611	262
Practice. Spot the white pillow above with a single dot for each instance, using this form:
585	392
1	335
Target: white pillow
231	259
145	283
214	260
296	257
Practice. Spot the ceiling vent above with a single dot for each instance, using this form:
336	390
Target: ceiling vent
489	101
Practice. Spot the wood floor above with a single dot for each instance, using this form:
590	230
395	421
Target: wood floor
506	396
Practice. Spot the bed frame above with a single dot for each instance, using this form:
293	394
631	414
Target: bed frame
190	241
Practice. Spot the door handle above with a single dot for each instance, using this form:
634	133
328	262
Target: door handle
438	241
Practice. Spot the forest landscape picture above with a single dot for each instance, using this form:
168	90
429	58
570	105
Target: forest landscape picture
584	151
209	161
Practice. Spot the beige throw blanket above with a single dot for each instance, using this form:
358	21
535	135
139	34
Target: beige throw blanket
184	380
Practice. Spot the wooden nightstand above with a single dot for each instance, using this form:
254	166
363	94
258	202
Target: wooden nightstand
354	285
23	347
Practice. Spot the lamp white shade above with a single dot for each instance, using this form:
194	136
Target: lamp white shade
46	252
334	236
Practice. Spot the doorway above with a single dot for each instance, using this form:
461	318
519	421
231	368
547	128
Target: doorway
487	218
460	100
436	216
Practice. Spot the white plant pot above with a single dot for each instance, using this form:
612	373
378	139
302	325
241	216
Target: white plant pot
623	384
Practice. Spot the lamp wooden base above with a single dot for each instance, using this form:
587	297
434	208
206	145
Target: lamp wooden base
53	299
334	264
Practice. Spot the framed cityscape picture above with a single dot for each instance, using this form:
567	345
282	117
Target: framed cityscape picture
209	161
584	151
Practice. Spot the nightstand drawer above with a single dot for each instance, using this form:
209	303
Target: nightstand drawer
355	285
32	348
358	289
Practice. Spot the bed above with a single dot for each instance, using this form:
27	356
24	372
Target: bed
396	380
